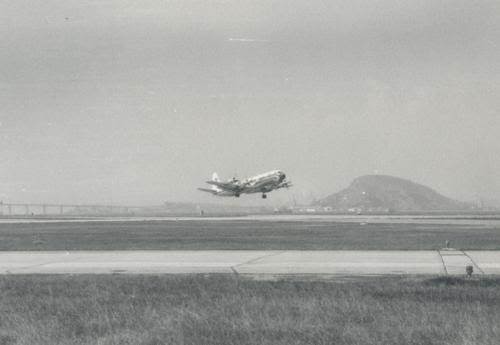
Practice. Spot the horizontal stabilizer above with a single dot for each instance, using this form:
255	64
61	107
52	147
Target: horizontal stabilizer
208	190
224	185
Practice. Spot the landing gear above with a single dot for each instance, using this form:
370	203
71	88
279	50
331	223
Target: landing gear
264	196
237	195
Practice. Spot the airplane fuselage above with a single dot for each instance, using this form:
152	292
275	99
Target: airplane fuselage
262	183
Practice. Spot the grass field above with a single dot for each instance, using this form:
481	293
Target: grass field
245	234
223	309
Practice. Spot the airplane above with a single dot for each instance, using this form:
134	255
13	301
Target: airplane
263	183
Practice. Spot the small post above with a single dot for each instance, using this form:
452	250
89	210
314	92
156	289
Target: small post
447	244
468	270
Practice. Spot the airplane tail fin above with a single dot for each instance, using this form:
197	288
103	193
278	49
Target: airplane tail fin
215	178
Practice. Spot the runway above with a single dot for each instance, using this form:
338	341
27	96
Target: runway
393	219
251	262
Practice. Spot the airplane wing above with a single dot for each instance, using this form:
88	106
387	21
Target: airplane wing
230	186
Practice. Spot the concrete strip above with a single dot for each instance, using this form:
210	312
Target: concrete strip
249	262
347	262
488	261
457	220
124	261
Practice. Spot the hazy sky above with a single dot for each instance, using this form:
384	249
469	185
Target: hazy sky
138	102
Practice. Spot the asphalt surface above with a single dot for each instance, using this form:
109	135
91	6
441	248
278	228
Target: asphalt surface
251	262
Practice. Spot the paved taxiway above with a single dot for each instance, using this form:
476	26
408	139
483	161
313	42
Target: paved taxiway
251	262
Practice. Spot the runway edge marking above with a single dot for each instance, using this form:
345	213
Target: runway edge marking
254	260
473	262
442	261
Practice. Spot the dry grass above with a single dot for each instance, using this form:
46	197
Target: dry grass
245	234
222	309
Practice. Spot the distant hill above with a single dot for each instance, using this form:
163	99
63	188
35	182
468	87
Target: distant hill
382	193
